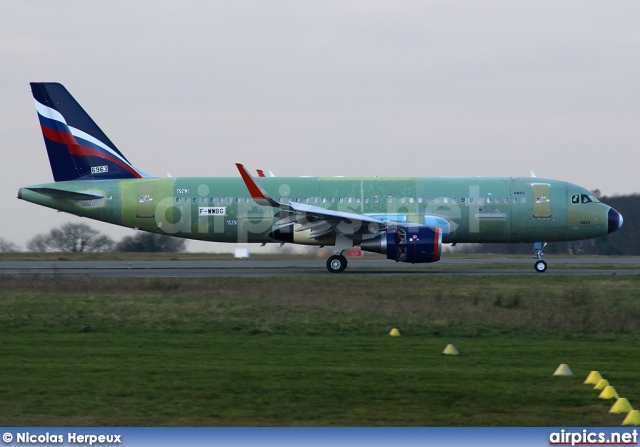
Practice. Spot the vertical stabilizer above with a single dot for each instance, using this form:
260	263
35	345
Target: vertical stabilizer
77	147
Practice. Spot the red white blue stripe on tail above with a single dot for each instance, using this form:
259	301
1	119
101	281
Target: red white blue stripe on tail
77	147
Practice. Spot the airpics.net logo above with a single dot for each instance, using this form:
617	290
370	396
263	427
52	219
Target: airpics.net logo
588	437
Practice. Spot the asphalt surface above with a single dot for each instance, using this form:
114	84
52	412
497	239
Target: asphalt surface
316	267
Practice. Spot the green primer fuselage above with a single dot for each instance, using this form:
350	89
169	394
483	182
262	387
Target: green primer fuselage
480	209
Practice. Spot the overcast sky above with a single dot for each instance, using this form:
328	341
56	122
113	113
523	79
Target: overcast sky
362	88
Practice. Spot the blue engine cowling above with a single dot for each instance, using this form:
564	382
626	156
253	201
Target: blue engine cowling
414	244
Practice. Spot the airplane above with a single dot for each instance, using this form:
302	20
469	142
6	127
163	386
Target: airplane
408	219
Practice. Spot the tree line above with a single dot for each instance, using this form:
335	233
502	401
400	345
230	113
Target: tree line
82	238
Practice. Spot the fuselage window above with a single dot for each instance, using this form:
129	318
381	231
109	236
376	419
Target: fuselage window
366	200
515	200
306	200
506	200
298	199
462	199
246	200
324	200
315	200
195	200
402	200
428	199
186	200
376	199
575	198
229	200
454	200
177	199
357	199
437	200
479	199
237	199
204	200
389	199
340	200
212	200
471	199
410	199
332	200
420	199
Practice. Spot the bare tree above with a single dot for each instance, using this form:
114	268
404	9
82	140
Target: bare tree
38	243
7	247
72	237
151	243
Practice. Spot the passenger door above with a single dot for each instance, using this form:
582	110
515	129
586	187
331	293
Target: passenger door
541	200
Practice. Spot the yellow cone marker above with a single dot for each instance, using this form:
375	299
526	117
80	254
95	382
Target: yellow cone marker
601	384
450	350
633	418
563	370
609	392
622	406
593	378
394	332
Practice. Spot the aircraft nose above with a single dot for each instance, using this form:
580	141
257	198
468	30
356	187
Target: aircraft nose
615	220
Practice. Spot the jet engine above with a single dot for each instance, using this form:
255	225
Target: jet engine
414	244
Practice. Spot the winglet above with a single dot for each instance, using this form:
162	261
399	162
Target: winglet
258	194
260	172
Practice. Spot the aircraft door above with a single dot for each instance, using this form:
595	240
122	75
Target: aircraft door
146	206
541	200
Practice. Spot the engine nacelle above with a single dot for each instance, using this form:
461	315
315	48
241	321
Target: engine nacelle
414	244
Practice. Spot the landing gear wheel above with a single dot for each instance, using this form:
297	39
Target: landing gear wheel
336	263
540	266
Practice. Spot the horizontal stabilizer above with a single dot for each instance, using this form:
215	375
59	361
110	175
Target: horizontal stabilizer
63	194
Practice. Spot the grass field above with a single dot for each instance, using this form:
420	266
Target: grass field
315	350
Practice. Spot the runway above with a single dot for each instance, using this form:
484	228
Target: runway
316	267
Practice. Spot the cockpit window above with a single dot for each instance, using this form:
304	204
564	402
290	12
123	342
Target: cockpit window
577	199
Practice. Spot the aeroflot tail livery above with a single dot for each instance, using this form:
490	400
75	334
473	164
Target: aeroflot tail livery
407	218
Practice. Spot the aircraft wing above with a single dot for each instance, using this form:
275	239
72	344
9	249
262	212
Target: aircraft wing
319	221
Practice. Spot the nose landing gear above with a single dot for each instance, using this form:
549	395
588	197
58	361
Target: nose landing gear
540	266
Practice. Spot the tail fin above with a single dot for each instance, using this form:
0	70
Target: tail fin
77	148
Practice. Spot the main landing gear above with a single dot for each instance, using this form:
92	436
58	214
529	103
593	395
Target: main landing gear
337	263
540	265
